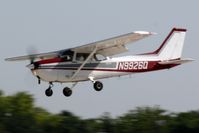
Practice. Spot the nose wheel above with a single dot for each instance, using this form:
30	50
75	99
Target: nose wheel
49	91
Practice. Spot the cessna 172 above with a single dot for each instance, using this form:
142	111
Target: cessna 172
85	62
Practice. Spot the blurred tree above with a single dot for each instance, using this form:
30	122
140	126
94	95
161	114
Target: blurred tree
3	111
185	122
93	125
71	124
19	115
142	120
107	124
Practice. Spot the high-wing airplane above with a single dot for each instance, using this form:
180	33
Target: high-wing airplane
93	61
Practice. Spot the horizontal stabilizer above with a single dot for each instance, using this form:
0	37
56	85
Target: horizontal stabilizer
178	61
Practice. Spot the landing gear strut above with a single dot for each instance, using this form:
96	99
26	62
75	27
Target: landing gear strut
39	80
49	91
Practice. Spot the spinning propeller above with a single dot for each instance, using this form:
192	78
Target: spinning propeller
31	51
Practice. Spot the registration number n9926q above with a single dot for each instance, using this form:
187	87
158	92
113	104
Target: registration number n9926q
133	65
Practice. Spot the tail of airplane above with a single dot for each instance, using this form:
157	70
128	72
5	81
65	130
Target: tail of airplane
171	48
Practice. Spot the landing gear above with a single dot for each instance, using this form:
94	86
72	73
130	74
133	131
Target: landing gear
39	80
49	91
67	92
98	86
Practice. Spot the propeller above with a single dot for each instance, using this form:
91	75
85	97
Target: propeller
31	50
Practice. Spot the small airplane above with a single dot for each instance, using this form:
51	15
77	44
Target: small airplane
94	61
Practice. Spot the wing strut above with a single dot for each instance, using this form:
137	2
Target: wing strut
82	65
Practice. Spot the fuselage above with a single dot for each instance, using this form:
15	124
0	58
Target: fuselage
58	70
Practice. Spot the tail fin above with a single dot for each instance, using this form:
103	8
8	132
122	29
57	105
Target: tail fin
172	46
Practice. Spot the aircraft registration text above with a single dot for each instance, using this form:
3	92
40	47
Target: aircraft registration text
133	65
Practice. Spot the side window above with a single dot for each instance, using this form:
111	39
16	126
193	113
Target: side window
81	56
67	55
99	57
68	58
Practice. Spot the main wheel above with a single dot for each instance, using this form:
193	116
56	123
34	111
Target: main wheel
49	92
67	92
98	86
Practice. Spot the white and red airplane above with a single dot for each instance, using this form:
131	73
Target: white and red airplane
93	61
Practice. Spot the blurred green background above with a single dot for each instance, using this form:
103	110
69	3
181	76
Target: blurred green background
18	114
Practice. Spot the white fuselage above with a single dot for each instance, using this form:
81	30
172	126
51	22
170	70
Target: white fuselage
64	71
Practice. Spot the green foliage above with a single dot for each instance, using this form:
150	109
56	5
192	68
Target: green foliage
18	114
185	122
145	119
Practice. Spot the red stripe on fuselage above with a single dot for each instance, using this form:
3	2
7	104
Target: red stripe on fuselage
48	61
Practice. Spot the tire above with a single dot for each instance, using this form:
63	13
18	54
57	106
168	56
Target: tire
98	86
49	92
67	92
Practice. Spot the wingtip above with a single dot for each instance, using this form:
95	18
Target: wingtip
145	33
13	59
153	33
6	59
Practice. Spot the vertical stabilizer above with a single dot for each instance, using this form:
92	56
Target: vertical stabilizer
172	46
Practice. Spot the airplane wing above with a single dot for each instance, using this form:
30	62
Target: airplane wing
34	56
108	47
113	46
